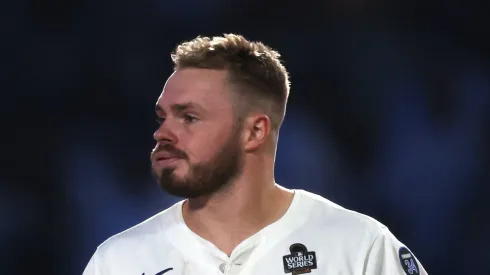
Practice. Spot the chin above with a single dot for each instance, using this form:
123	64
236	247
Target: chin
180	189
180	174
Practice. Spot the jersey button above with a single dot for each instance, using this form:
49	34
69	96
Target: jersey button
222	267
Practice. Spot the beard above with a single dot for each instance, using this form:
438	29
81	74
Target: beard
204	178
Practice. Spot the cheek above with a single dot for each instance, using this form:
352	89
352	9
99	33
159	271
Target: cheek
206	147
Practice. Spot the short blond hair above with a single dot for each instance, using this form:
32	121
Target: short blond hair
261	78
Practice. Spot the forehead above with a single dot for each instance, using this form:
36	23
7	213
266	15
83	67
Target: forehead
202	86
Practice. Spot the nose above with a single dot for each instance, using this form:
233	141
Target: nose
164	135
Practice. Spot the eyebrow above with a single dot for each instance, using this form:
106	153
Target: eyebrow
180	107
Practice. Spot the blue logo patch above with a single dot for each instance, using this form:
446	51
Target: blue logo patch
408	261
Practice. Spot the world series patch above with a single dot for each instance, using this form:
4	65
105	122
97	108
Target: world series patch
408	261
300	260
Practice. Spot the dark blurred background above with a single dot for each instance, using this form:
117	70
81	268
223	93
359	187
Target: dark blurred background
389	115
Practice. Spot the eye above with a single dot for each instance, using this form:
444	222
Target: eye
188	119
160	120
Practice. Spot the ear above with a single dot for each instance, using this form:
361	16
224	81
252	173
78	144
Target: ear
257	131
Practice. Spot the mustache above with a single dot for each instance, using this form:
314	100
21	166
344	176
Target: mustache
170	149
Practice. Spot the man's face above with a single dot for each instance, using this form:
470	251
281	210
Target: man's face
198	148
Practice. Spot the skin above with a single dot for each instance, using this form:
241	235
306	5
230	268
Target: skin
205	134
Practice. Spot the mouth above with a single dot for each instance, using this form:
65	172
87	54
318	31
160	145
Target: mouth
164	161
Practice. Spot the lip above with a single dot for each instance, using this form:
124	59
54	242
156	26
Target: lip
164	158
165	161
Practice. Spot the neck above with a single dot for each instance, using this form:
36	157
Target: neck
237	212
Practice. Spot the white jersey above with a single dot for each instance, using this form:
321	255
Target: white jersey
314	236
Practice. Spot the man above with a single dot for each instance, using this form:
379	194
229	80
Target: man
220	113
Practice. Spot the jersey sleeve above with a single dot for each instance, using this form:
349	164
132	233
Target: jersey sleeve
91	268
388	256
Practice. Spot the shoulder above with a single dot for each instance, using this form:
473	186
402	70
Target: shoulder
334	219
376	248
143	235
